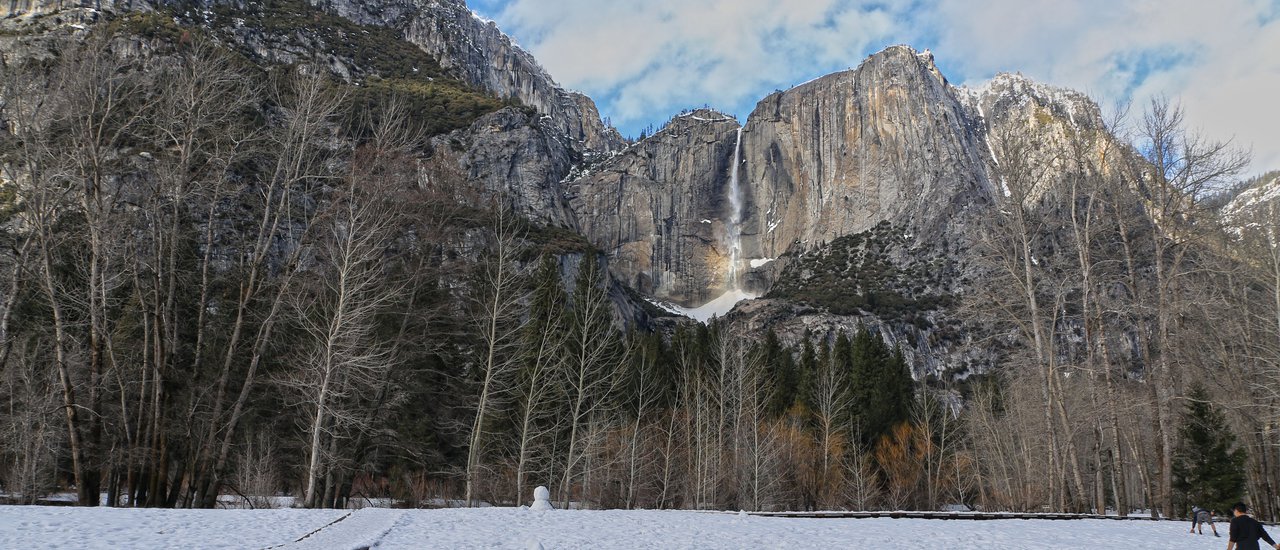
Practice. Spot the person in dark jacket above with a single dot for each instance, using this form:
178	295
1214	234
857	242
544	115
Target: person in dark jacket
1245	531
1199	517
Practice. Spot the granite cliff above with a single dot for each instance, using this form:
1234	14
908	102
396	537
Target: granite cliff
891	141
485	57
887	170
659	206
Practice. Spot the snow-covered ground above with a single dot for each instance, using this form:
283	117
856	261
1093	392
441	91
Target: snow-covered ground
90	528
521	528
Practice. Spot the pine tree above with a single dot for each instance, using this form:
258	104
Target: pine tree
842	352
899	387
842	360
808	369
1208	469
880	385
782	369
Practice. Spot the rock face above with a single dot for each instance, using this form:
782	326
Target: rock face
886	141
30	8
1048	120
889	141
511	157
522	158
486	58
923	349
658	208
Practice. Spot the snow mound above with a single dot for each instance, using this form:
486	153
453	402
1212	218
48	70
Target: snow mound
541	499
717	307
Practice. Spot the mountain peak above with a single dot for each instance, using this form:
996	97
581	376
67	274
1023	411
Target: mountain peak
705	114
905	55
1014	92
898	49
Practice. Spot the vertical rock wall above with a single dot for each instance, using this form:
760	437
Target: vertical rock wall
835	156
658	208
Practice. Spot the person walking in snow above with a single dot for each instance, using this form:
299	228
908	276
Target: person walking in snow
1199	517
1245	531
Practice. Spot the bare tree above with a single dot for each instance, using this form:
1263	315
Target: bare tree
1094	170
346	361
1238	332
831	404
1011	248
862	486
29	426
596	353
257	472
498	320
900	455
307	109
1181	167
72	131
643	392
196	129
945	466
699	400
20	99
757	450
541	376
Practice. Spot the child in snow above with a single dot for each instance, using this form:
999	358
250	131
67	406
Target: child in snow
1199	517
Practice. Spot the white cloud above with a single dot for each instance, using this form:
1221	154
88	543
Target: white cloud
643	60
647	59
1220	59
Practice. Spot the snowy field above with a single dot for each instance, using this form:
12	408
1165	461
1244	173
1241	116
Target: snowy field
520	528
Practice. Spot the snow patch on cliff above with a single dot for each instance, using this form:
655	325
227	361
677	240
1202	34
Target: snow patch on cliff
1253	198
717	307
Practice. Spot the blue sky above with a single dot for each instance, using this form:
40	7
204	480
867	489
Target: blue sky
645	60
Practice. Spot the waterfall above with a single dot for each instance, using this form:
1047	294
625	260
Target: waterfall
733	226
734	291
